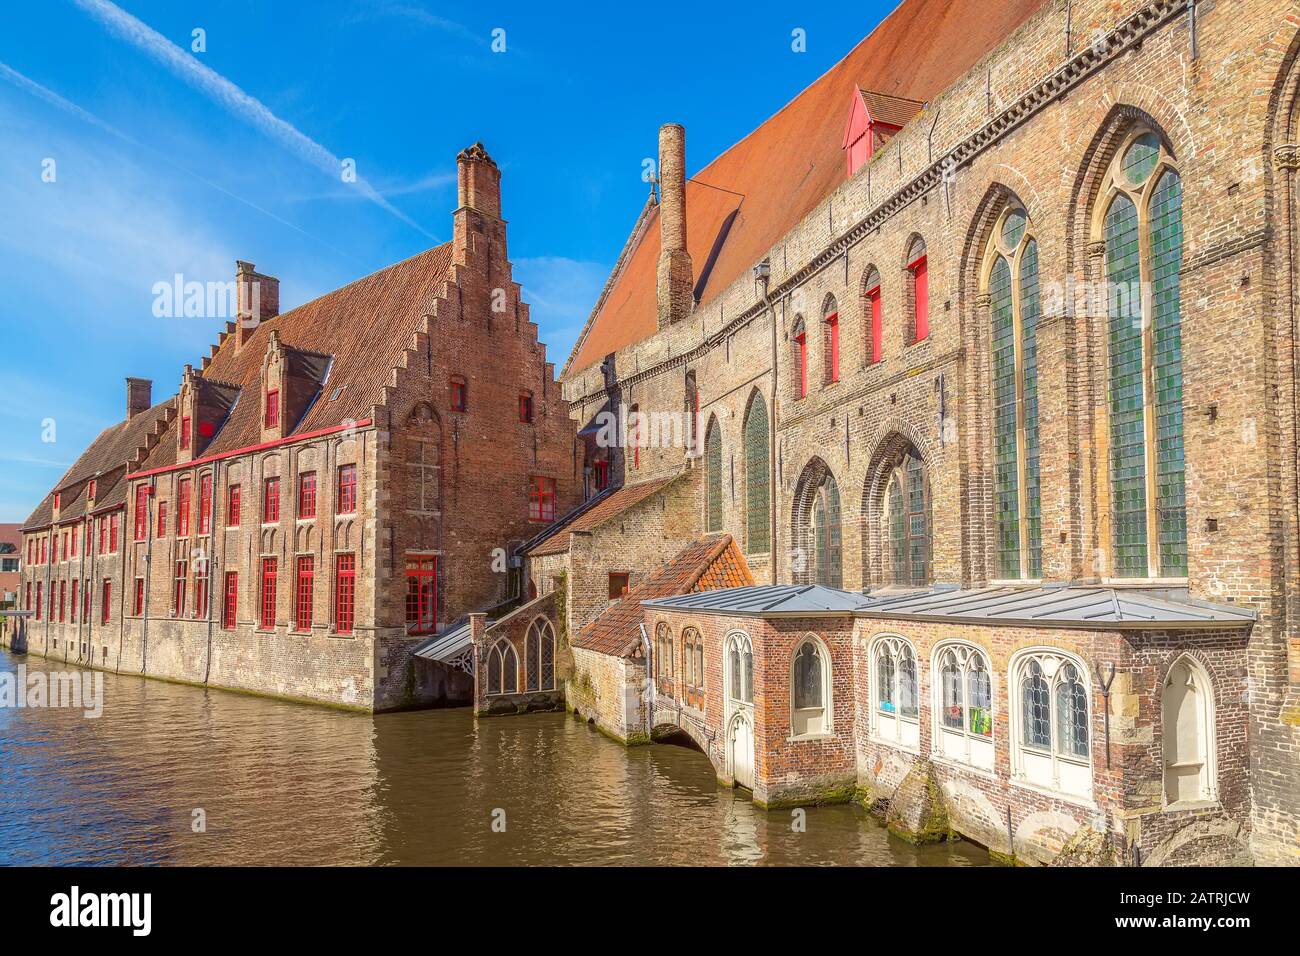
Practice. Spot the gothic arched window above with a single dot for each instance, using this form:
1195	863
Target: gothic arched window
1050	700
539	656
810	688
713	476
907	522
757	476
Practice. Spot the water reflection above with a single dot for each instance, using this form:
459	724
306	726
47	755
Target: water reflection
281	783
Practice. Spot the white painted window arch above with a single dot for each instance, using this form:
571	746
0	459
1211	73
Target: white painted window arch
810	688
895	691
740	668
1050	695
1188	733
962	691
502	669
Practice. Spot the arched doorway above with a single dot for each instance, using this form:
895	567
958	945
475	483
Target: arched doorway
740	750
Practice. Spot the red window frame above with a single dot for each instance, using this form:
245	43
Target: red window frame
112	532
541	499
90	490
72	605
635	413
231	606
801	347
347	490
876	313
270	501
28	603
106	609
180	580
526	408
63	601
303	592
72	549
183	508
103	538
30	543
273	408
618	585
307	494
141	512
920	277
345	590
267	600
205	503
459	395
201	588
232	507
40	591
185	432
833	330
600	474
139	597
421	594
85	601
161	530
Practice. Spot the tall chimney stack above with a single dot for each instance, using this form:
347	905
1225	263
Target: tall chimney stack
258	300
674	292
139	396
478	181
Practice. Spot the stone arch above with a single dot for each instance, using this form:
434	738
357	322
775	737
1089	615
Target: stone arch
817	527
1200	706
897	439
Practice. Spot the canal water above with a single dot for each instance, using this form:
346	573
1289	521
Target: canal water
281	783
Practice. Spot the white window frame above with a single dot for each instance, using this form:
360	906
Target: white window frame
894	728
960	744
1050	770
823	713
1207	728
741	641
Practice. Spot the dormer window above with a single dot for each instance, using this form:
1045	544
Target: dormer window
873	120
90	493
57	498
273	409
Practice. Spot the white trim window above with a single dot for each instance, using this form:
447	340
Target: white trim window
810	688
502	669
963	705
1050	739
740	670
895	714
1187	712
539	654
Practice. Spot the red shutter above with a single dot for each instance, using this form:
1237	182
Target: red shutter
345	580
232	519
877	324
347	493
106	610
183	509
921	297
205	504
268	593
232	599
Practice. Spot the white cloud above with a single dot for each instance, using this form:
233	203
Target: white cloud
221	90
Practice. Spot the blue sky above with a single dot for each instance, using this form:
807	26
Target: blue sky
171	161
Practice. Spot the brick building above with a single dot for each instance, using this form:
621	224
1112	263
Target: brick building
329	487
1000	311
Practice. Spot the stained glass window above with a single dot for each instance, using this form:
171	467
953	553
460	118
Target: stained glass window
757	476
713	476
827	533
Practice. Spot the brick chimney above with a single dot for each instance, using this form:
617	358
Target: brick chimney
139	396
258	300
478	181
674	292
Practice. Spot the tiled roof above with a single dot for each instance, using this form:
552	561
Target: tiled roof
105	457
606	509
363	328
890	110
696	567
778	173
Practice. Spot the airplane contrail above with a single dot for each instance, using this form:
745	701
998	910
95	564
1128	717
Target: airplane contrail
215	86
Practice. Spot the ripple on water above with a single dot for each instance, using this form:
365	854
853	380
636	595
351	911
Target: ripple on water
283	783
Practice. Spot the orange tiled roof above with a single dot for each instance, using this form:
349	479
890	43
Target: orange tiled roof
778	173
704	565
608	508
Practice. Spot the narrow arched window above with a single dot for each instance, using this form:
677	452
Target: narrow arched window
918	278
740	669
907	522
894	687
713	476
539	656
693	666
1143	234
830	341
1052	746
799	355
664	663
827	553
692	410
503	669
757	472
873	320
964	705
1187	710
810	689
1015	307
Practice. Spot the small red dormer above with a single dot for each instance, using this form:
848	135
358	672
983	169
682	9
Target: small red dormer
874	118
